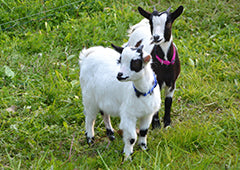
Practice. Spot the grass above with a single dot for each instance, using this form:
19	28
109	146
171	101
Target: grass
42	120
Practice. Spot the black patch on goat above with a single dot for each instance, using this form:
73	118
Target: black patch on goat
143	133
168	104
165	73
156	121
89	140
119	60
168	30
110	134
132	141
136	65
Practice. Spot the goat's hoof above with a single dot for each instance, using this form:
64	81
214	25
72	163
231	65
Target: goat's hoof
167	124
90	141
110	134
143	146
112	137
127	158
156	124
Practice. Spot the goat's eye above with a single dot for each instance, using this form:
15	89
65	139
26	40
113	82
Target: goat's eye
119	60
136	65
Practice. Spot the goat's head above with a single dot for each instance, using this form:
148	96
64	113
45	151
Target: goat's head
161	23
132	62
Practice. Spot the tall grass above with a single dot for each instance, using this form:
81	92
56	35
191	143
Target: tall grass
42	120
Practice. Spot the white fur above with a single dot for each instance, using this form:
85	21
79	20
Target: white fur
101	90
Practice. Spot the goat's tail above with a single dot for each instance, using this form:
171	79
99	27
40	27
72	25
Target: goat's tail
84	53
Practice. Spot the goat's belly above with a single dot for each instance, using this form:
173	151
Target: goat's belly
111	95
109	105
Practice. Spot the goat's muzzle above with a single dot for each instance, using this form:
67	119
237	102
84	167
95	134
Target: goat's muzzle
120	78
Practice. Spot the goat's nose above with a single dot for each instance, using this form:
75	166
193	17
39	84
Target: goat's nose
156	38
119	75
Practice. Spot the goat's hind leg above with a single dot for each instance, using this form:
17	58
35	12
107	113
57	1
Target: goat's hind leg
156	121
169	91
108	125
90	117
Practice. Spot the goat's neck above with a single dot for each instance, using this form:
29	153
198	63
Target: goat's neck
165	46
146	82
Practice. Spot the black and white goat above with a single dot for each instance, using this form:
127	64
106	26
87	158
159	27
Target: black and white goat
121	85
155	33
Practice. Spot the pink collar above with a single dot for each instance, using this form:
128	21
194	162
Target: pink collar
166	62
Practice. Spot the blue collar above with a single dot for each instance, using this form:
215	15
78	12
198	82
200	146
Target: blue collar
138	93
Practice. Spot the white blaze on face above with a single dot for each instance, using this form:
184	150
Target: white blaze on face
158	24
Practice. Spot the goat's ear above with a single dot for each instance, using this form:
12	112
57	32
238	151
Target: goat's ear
144	13
117	48
147	58
176	13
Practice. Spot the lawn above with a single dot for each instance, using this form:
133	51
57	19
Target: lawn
41	112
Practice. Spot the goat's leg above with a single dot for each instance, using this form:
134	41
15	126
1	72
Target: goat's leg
90	116
144	126
155	118
128	125
156	121
169	91
108	125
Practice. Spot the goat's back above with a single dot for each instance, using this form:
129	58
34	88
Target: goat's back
141	32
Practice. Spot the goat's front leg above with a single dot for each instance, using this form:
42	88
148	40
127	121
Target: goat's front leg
144	126
128	125
108	125
169	91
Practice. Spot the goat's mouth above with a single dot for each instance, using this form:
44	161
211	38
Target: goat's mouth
156	41
122	78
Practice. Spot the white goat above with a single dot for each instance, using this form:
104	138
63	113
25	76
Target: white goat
121	85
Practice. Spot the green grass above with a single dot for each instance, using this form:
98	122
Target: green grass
39	80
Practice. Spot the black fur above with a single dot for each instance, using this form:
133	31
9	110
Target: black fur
136	65
110	134
90	141
168	104
117	48
132	141
165	73
156	121
143	133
